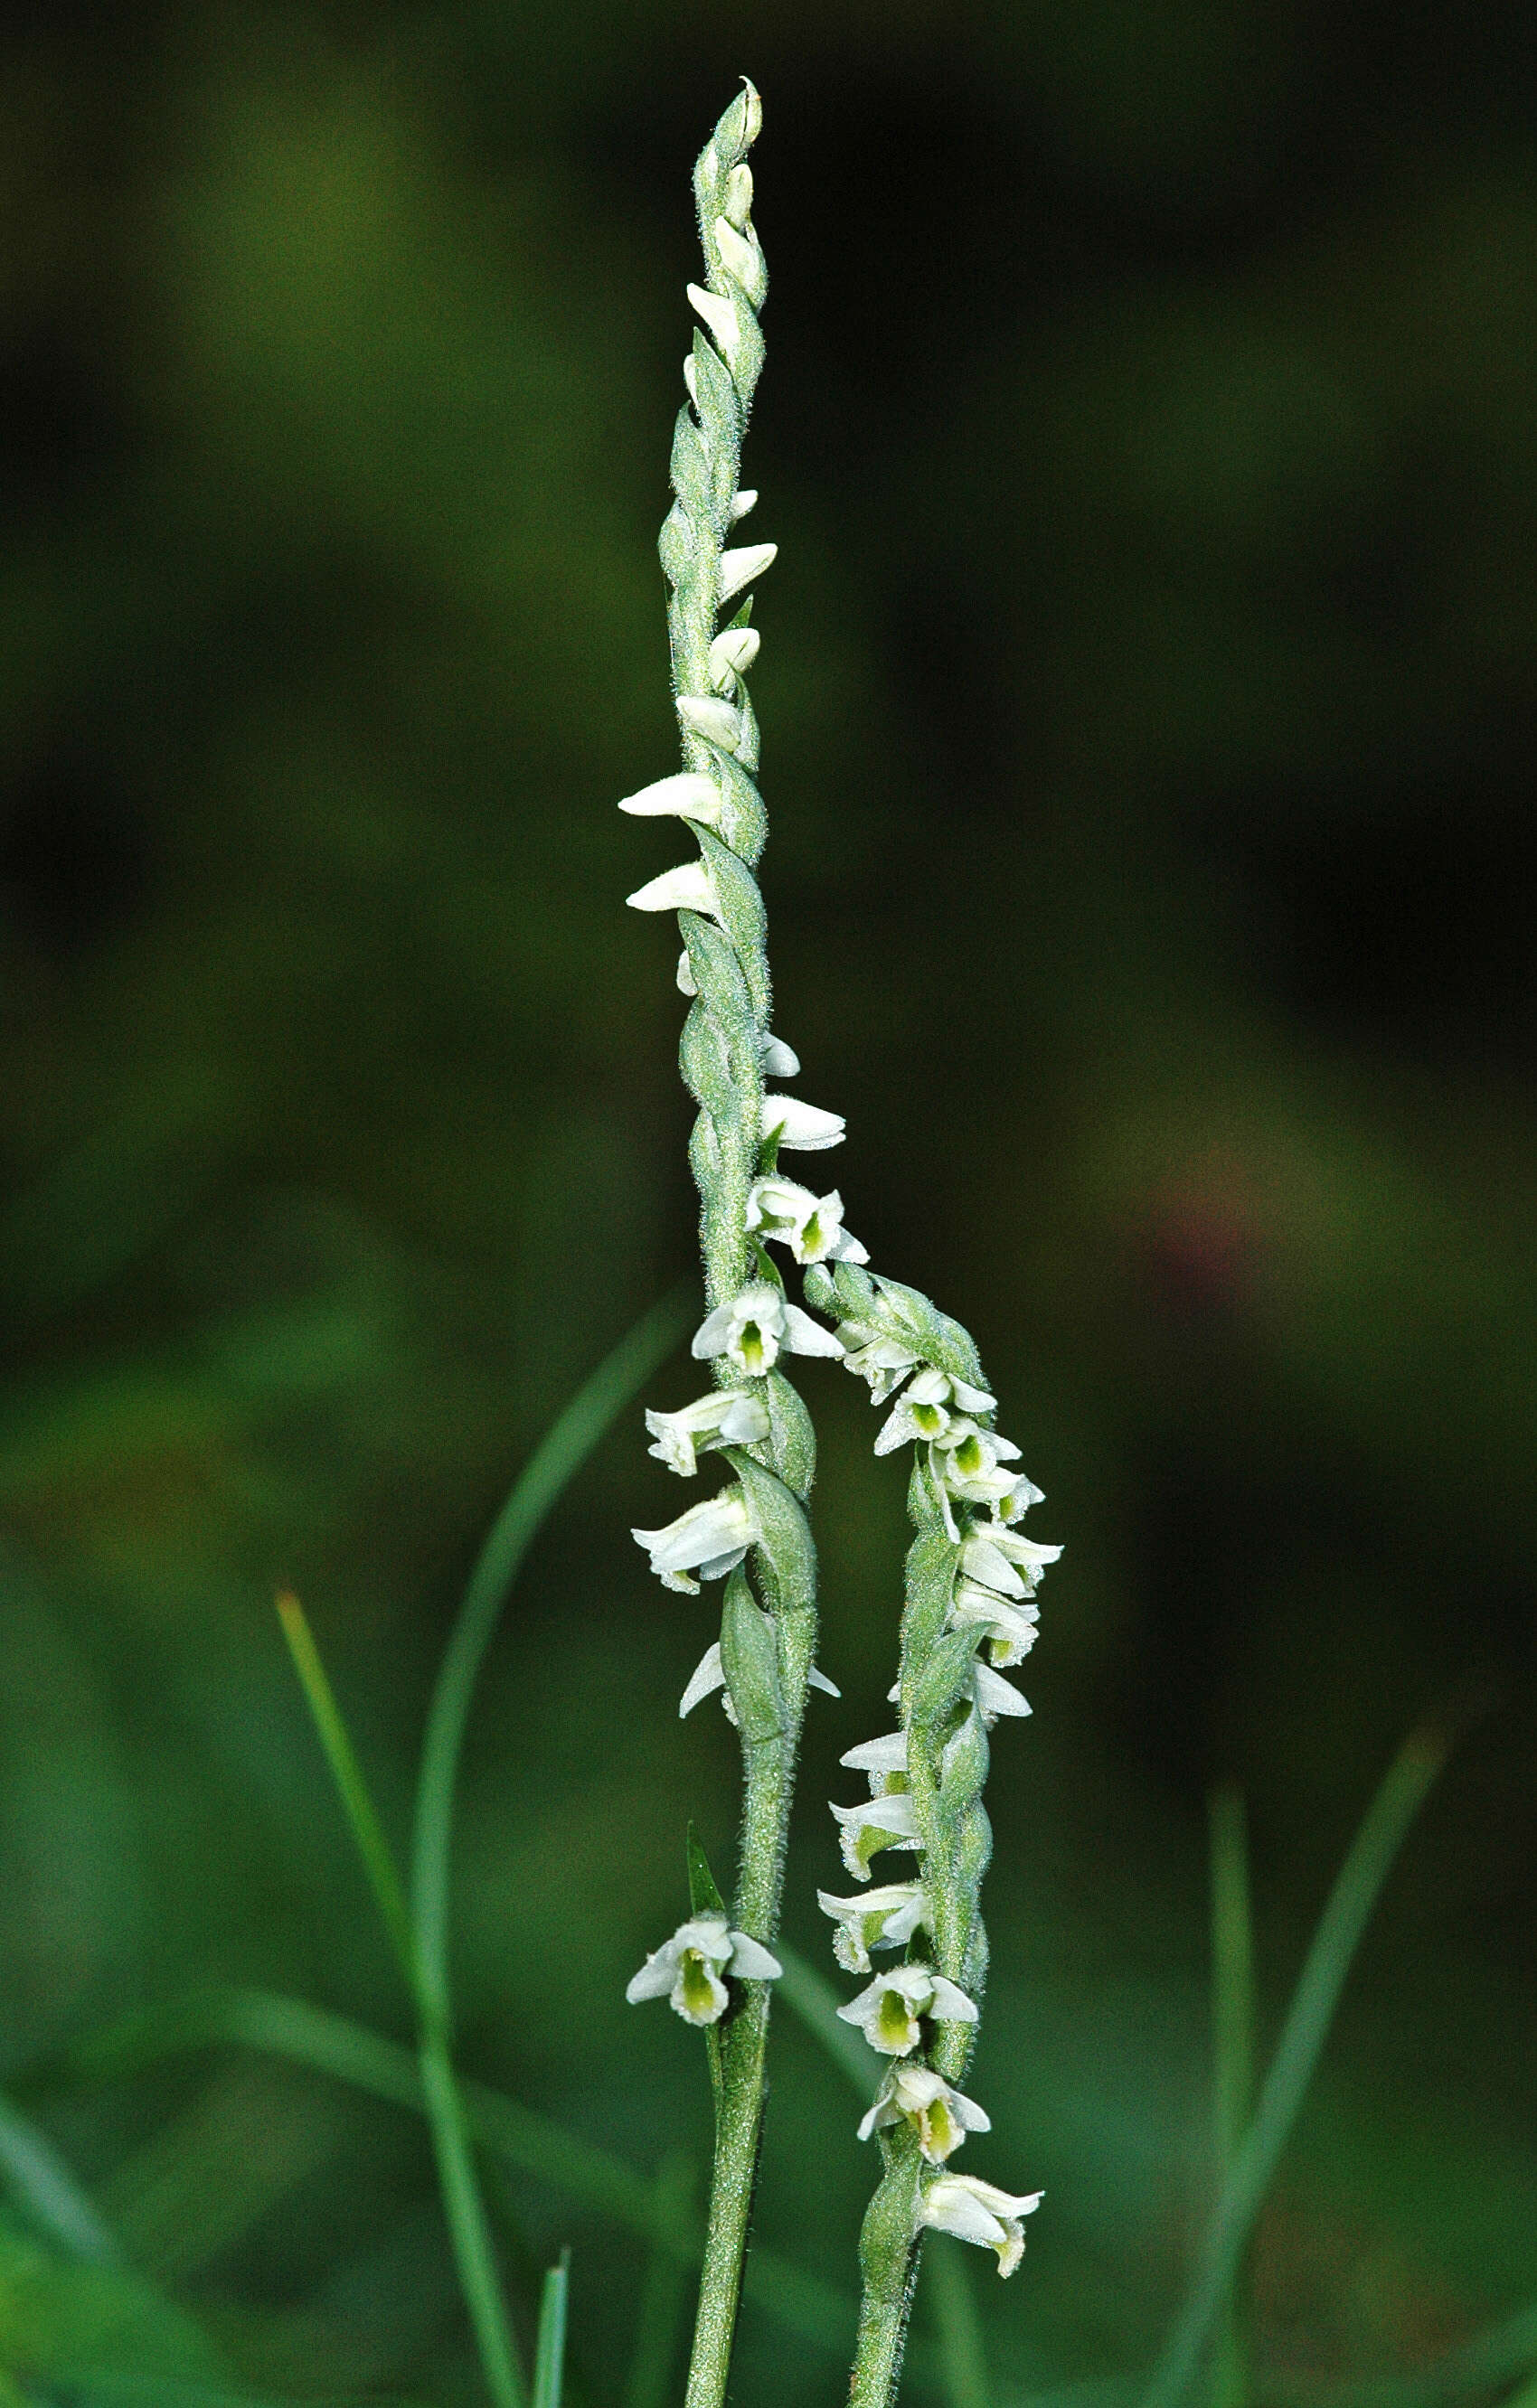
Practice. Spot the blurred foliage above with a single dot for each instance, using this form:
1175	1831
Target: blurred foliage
1150	693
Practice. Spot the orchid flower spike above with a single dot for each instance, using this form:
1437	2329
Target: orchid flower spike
938	2116
755	1326
888	2011
688	1970
980	2212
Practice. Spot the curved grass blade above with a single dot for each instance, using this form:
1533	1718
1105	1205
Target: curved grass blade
43	2185
351	1787
550	2347
664	2296
963	2360
1329	1959
1232	2059
560	1452
812	2001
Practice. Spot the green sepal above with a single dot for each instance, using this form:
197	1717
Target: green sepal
764	1264
788	1552
768	1156
744	616
743	916
744	822
790	1435
943	1677
963	1768
821	1295
690	466
749	742
704	1898
932	1562
750	1661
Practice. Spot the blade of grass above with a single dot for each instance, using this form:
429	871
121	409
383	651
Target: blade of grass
45	2190
664	2296
463	2205
560	1452
1329	1959
963	2360
812	2001
550	2348
1232	2060
351	1787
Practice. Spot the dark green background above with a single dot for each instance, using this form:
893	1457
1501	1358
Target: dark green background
1150	699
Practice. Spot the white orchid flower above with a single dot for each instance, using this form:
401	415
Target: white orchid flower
995	1696
726	1417
881	1758
980	2212
810	1225
882	1363
927	1407
708	1675
1010	1629
755	1326
969	1461
878	1918
1000	1558
864	1830
711	1539
688	794
940	2116
887	2013
779	1061
687	1969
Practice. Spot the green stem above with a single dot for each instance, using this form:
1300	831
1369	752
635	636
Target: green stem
1232	2060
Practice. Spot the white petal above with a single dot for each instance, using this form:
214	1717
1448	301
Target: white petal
719	316
739	567
803	1128
804	1335
996	1696
742	258
739	195
972	1400
686	983
711	1336
752	1962
732	655
747	499
950	2208
707	1677
707	716
687	888
691	380
688	796
888	1754
815	1680
951	2005
656	1977
779	1060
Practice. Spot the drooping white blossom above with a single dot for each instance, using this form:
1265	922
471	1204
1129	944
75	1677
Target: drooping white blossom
779	1061
1000	1560
876	1823
876	1918
756	1326
732	655
940	2116
969	1462
719	316
995	1696
810	1225
879	1758
980	2212
882	1363
711	1539
706	715
739	567
888	2011
687	1969
726	1417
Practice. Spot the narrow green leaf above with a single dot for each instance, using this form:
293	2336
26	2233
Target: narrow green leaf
664	2295
43	2185
1232	2059
704	1896
812	2001
1329	1959
947	2280
351	1787
550	2347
